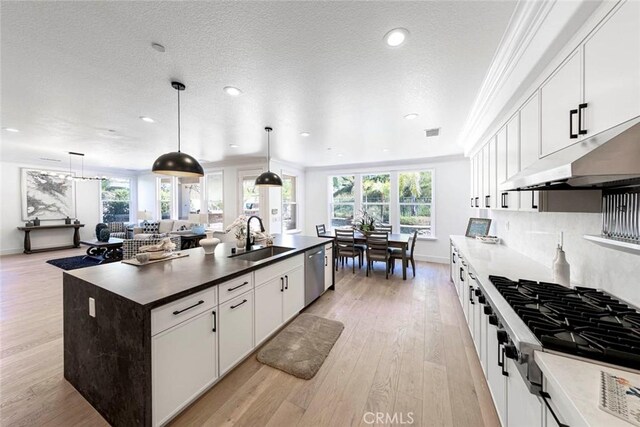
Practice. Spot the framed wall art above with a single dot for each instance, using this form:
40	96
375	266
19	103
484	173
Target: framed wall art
48	195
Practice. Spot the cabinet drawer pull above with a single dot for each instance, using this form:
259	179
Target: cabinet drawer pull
471	294
461	278
504	364
238	305
581	108
286	278
281	284
571	134
215	321
546	397
239	286
188	308
487	203
477	202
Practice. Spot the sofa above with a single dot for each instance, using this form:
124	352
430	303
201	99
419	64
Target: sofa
130	247
117	229
164	226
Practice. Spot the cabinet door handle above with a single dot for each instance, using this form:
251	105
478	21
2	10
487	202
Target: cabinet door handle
238	305
472	202
571	134
504	364
471	294
477	202
487	203
239	286
461	278
215	321
546	397
581	109
281	284
326	260
286	282
188	308
533	200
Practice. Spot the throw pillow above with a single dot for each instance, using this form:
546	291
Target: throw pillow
150	228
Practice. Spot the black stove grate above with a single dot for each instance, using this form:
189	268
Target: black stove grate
581	321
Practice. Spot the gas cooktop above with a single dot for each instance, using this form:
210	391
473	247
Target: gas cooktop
580	321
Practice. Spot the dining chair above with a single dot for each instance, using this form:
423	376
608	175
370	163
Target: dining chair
396	253
320	229
346	248
384	228
378	250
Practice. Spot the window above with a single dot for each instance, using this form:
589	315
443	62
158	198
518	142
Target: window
115	195
250	195
414	191
189	197
342	200
375	196
165	188
289	203
214	186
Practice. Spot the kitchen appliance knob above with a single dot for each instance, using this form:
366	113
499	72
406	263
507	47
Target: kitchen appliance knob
482	299
493	320
511	351
502	335
488	311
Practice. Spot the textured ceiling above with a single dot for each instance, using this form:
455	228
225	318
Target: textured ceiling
77	75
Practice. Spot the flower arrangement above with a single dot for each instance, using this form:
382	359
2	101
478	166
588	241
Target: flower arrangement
239	226
364	221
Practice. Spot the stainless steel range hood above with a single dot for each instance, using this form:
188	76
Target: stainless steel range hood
609	159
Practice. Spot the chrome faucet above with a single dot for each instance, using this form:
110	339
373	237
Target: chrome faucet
249	241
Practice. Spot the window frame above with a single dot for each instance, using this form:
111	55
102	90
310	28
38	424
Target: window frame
173	203
242	175
205	193
394	196
122	178
294	203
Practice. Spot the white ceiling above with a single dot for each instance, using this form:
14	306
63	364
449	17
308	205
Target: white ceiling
72	71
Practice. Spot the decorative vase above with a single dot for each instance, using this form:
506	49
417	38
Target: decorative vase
240	243
209	243
99	227
104	235
36	221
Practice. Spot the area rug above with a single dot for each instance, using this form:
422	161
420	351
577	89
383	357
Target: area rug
74	262
302	346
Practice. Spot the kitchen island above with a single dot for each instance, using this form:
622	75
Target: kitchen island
141	343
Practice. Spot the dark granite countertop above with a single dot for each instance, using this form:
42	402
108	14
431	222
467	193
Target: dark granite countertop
157	284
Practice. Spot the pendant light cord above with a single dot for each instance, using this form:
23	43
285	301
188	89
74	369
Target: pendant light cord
178	121
269	151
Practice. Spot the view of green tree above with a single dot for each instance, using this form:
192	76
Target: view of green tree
414	189
343	200
116	197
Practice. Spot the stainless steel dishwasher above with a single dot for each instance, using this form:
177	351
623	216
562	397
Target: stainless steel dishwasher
313	274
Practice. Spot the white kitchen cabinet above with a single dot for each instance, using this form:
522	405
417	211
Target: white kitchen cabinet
235	330
480	179
476	315
612	71
523	407
268	316
492	202
484	330
495	379
560	96
183	363
464	288
486	176
501	163
293	295
529	146
511	199
328	266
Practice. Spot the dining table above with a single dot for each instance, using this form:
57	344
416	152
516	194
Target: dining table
397	240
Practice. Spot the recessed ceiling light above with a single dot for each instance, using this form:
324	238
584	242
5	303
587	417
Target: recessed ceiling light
232	91
396	37
304	134
411	116
158	47
147	119
11	129
234	145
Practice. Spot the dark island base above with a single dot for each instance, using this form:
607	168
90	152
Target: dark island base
107	358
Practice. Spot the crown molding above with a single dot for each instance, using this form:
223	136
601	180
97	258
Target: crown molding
523	26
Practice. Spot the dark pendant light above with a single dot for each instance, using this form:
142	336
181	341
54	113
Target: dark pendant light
268	179
177	163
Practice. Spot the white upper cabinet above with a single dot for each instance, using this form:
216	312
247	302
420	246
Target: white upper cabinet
486	173
529	146
511	200
501	162
560	97
612	71
493	184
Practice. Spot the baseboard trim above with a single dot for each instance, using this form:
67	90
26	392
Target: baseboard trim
11	251
429	258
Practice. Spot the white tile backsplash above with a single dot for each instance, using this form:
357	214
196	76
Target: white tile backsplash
537	234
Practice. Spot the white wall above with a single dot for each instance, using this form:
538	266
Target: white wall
451	188
536	235
87	208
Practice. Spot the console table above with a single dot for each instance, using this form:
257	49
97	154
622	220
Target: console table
28	230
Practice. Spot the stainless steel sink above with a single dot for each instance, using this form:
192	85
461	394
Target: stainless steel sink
262	253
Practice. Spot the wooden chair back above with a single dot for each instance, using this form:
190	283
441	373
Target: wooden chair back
378	245
345	240
320	229
384	228
413	243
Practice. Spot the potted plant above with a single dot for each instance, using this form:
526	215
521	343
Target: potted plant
364	221
239	227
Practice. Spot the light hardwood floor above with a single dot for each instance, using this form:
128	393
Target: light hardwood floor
405	350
